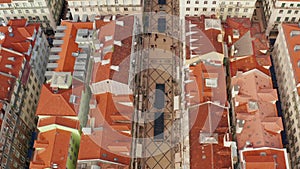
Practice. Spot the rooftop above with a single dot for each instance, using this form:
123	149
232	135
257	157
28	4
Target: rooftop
203	36
209	84
15	42
69	45
106	119
293	42
248	46
116	41
265	158
51	148
58	102
255	108
62	121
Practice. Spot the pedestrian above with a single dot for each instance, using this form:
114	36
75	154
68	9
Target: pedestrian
164	40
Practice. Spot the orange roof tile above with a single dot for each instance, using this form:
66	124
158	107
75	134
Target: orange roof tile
54	146
209	37
57	104
67	61
5	1
6	87
119	55
291	42
262	126
67	122
199	90
257	59
209	118
268	158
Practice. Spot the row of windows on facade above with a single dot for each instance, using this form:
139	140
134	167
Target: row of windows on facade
287	19
31	4
291	5
215	2
221	9
100	9
20	11
288	12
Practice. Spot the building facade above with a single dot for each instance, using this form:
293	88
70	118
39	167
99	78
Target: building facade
280	11
21	44
46	12
100	7
220	8
287	67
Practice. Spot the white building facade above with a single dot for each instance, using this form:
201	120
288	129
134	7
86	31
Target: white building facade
220	8
287	65
47	12
279	11
104	7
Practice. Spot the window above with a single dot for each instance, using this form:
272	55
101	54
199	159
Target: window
296	12
298	5
125	9
222	9
204	9
278	19
229	9
244	16
197	2
289	12
187	9
230	3
247	3
188	2
280	11
213	9
45	18
246	10
196	9
237	9
26	11
283	4
205	2
293	19
291	5
214	2
286	19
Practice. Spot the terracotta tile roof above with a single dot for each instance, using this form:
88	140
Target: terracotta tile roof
118	55
291	42
67	122
6	87
198	89
51	147
256	40
57	104
209	37
210	119
262	126
268	158
67	61
5	1
106	117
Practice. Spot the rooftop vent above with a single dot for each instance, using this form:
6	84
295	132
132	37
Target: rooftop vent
236	34
8	66
116	68
297	48
213	82
208	138
120	23
252	105
295	33
107	38
72	99
2	35
263	154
